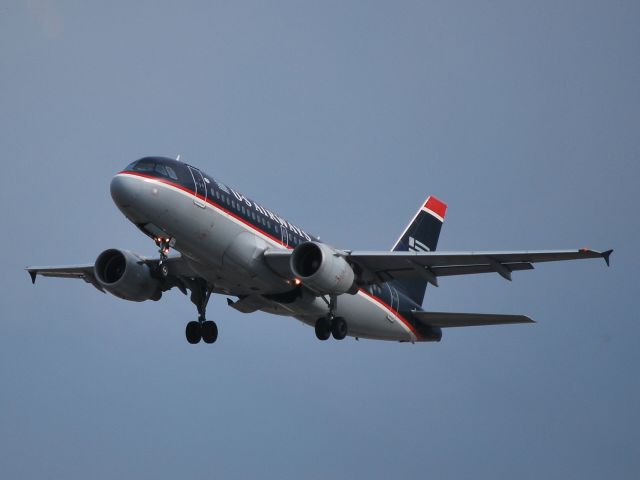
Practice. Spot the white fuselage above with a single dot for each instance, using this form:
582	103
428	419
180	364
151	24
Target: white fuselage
227	251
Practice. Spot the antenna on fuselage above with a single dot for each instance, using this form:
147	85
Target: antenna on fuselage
178	158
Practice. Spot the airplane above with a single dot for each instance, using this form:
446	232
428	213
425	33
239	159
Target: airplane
231	245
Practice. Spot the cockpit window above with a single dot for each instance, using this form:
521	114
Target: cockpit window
161	170
171	172
162	167
166	171
142	166
150	165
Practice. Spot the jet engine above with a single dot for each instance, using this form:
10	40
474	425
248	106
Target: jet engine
125	275
322	269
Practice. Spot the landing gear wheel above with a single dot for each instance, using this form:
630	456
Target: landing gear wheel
339	328
209	331
193	332
323	328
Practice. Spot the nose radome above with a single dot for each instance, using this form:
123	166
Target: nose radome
124	190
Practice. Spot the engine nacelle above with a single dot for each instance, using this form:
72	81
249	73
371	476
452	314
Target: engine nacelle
322	269
123	274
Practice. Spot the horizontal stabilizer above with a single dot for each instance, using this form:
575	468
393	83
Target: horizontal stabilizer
449	319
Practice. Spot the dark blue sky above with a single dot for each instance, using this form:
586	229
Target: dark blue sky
341	116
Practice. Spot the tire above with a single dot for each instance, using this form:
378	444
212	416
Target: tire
323	330
209	331
193	332
339	328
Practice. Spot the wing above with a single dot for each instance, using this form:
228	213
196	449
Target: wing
380	267
448	319
84	272
385	266
177	268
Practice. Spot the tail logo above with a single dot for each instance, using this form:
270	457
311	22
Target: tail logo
417	246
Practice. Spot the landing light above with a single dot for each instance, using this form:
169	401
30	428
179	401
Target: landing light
297	281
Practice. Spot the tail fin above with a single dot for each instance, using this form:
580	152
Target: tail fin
421	235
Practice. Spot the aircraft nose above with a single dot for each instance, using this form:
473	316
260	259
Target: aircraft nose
124	190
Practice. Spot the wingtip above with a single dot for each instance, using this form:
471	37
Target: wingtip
595	253
33	276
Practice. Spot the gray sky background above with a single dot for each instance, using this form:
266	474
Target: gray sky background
342	116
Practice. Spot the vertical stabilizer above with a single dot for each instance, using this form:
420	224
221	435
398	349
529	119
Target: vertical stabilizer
421	235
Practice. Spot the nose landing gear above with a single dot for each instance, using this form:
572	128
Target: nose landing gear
164	246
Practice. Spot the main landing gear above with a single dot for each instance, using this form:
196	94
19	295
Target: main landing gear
326	326
331	325
206	331
202	329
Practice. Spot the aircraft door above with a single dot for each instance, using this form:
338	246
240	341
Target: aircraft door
284	234
394	299
200	187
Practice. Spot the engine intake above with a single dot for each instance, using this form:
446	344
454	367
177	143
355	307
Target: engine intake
123	274
322	269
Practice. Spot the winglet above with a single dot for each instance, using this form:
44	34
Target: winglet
33	274
606	256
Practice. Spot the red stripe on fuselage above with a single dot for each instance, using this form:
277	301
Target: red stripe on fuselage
212	203
395	312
